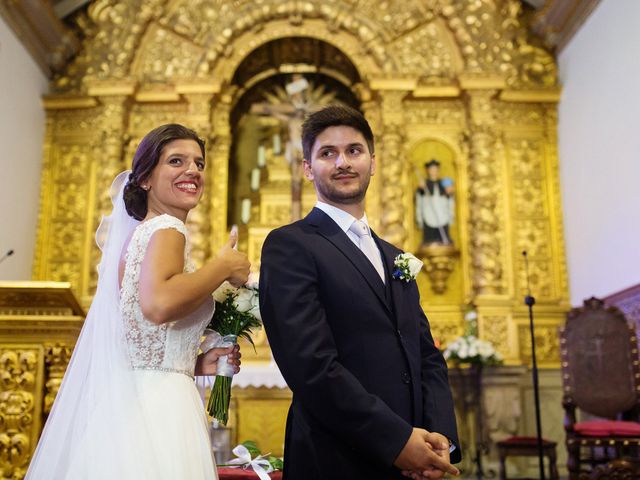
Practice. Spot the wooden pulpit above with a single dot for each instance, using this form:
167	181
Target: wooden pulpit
39	325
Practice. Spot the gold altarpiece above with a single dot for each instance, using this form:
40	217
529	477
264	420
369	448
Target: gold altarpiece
461	77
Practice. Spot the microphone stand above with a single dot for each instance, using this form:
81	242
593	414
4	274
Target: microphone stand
530	302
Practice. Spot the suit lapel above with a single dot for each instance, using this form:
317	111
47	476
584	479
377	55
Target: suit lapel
397	291
334	234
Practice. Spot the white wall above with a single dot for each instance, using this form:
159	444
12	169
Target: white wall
599	147
22	123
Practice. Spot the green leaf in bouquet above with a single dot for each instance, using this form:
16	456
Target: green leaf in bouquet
247	337
253	449
276	463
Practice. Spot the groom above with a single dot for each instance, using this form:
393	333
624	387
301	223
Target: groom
371	398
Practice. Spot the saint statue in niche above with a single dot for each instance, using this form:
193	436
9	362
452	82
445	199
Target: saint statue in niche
435	205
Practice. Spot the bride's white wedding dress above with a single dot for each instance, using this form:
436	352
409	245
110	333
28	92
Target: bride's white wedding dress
163	358
128	407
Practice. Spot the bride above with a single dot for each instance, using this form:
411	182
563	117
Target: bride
128	407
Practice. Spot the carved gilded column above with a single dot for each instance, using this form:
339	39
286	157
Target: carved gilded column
199	112
220	145
108	147
67	191
486	204
558	258
56	359
391	168
18	408
371	109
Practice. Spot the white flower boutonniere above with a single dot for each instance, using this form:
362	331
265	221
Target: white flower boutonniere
407	267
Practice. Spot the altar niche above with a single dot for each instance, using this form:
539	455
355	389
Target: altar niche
276	86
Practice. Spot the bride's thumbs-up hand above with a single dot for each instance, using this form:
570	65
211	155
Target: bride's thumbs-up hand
237	263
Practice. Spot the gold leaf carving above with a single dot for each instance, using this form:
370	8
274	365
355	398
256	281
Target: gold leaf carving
56	360
17	377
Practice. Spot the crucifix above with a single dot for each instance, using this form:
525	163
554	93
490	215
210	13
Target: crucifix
291	109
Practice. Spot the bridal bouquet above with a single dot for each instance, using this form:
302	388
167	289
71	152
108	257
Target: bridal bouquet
236	315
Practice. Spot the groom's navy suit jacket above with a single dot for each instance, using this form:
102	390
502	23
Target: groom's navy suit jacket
357	354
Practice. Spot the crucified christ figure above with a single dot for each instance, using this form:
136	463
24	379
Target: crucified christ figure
291	111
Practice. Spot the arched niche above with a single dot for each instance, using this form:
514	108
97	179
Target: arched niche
264	72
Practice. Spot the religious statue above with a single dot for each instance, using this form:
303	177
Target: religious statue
291	108
435	205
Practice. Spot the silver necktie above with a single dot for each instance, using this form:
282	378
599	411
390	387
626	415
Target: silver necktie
368	246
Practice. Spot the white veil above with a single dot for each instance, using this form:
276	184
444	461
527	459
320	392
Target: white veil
96	424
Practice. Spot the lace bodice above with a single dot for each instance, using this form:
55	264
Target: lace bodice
171	346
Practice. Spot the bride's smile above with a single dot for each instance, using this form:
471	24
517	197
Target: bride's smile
176	184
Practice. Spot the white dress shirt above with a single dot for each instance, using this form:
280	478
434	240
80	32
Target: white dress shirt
344	221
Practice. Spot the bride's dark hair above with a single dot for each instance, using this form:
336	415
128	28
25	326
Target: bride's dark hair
145	160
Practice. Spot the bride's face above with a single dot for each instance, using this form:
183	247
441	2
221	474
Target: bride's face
177	181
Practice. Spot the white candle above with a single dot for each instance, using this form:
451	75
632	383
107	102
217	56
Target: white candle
245	216
276	143
255	179
261	156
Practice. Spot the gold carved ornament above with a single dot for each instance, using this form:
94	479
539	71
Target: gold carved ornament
17	378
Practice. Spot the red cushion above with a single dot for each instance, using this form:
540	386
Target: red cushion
603	428
229	473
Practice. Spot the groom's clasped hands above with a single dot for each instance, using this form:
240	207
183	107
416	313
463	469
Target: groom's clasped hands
425	456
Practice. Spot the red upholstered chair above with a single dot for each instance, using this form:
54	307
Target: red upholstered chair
601	378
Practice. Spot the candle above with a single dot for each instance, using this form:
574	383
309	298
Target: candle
276	143
245	216
261	156
255	179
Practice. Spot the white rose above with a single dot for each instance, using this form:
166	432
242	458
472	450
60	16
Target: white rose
415	265
255	311
222	292
243	301
473	350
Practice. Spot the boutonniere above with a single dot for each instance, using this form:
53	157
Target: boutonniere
407	267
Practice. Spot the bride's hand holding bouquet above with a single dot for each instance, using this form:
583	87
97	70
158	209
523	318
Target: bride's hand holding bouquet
237	314
207	363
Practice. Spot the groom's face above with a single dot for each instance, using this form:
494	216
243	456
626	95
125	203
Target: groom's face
340	166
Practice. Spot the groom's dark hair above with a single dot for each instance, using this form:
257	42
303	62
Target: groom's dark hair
333	116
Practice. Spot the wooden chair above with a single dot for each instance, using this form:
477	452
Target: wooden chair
601	378
526	447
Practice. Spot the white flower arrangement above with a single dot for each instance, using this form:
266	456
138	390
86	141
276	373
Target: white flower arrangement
470	349
407	267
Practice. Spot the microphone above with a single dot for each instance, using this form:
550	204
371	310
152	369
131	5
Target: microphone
6	255
528	299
